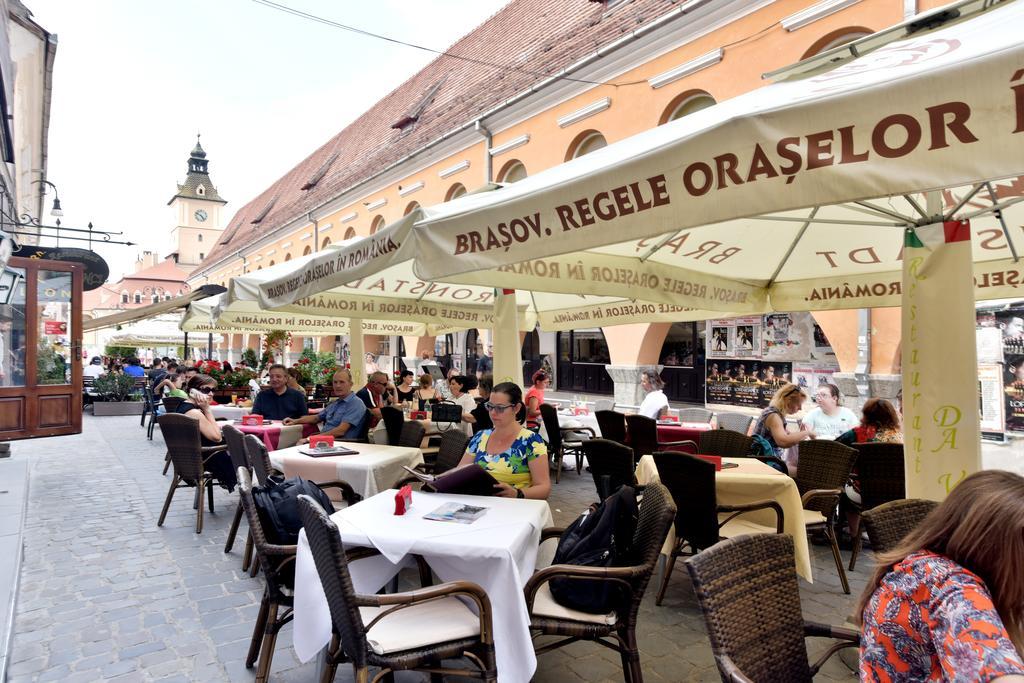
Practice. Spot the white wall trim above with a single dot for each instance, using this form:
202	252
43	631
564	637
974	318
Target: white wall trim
258	258
686	68
270	253
452	170
373	206
327	227
585	112
306	236
409	189
909	9
349	217
510	145
816	11
286	244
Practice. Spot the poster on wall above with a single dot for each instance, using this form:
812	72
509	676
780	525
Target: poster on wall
719	341
1013	388
990	401
745	382
823	376
787	336
735	337
803	377
989	341
822	346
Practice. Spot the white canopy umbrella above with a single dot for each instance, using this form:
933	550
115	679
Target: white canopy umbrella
150	333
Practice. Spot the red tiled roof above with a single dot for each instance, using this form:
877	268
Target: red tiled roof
533	38
165	270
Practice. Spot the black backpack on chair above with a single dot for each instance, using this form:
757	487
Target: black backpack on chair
277	504
601	537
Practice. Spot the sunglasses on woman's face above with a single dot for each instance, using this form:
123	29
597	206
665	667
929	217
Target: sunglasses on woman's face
497	407
205	390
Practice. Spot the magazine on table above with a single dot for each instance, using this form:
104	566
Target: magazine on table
323	451
460	513
469	479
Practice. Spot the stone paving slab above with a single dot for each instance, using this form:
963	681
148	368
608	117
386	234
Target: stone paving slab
107	595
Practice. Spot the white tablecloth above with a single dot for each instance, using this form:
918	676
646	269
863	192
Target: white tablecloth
497	551
229	412
375	469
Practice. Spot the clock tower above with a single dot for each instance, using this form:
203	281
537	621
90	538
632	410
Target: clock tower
197	213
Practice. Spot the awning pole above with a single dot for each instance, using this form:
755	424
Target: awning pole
998	213
185	354
209	346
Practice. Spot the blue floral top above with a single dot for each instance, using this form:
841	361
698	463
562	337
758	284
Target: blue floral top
511	467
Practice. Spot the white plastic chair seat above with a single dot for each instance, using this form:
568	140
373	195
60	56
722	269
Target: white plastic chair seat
544	605
429	623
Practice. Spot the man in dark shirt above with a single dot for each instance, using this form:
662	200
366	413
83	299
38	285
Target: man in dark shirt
279	402
373	395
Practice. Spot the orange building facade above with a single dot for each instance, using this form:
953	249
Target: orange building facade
583	74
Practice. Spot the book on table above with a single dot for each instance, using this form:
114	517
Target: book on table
459	513
469	479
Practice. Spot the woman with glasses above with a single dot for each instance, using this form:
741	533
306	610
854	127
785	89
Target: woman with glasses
771	425
829	419
512	454
200	389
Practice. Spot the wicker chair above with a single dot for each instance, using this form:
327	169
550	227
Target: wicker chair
558	447
612	465
747	589
259	459
449	454
643	436
393	420
737	422
235	441
410	436
184	447
725	442
700	521
354	616
823	471
695	415
612	425
880	472
617	629
289	436
171	404
889	523
277	563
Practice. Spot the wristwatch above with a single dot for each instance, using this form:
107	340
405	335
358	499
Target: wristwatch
520	494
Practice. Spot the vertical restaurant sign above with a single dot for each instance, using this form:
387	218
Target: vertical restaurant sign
940	373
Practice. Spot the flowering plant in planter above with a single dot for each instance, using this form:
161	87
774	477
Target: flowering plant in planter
316	368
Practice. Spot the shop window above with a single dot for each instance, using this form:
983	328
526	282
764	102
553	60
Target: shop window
586	142
680	346
13	335
512	172
583	346
685	104
455	191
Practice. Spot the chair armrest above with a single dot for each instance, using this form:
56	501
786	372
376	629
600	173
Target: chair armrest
551	532
815	494
570	430
759	505
274	549
210	450
685	442
617	575
730	669
348	494
408	599
847	637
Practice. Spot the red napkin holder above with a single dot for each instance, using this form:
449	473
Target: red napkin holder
716	460
252	419
580	410
403	500
317	439
669	418
418	415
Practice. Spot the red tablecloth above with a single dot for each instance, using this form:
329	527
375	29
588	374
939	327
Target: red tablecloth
684	431
270	432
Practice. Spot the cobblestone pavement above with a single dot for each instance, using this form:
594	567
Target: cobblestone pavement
107	595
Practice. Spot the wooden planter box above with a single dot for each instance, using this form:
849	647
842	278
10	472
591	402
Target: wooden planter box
107	408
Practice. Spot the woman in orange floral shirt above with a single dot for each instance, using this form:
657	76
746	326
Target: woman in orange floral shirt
948	604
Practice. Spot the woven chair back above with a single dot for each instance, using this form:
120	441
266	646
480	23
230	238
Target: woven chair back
604	404
643	434
889	523
236	446
259	459
550	417
411	435
747	589
268	563
393	420
657	512
611	464
332	567
737	422
695	415
181	434
823	465
725	442
171	403
881	472
450	452
691	481
612	425
364	429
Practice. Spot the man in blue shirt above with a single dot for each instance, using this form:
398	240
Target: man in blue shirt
343	417
133	369
279	401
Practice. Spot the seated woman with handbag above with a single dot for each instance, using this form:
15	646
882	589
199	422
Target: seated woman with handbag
512	454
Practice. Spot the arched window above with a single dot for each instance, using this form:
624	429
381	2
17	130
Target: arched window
167	297
271	263
199	237
327	240
308	250
835	39
200	190
377	224
201	256
350	233
456	191
412	207
138	297
685	104
586	142
512	172
124	296
154	299
287	257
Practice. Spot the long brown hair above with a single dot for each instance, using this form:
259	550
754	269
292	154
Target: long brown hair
879	413
980	526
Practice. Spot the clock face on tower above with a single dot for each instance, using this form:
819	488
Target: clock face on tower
200	215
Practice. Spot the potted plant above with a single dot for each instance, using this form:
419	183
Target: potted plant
228	383
117	395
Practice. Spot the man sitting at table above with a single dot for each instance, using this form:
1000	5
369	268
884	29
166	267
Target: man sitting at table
279	402
374	395
343	417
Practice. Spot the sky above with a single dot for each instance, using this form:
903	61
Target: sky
135	80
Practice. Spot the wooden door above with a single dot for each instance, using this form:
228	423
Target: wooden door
40	349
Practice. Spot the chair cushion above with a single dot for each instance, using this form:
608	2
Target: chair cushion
740	526
813	517
544	605
425	624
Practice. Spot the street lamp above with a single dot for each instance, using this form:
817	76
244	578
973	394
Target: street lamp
55	210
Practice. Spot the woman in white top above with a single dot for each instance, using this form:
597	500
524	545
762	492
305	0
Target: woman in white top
655	403
829	419
457	385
